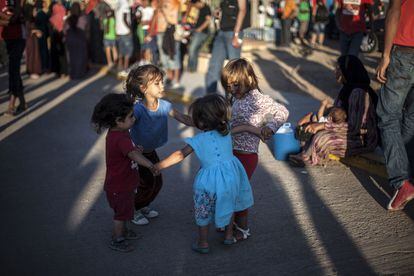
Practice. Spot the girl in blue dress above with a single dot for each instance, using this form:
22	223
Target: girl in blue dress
221	186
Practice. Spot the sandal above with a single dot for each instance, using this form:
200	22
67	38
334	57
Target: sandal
201	250
296	161
231	241
120	244
245	233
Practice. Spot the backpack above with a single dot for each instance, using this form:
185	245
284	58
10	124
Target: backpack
322	14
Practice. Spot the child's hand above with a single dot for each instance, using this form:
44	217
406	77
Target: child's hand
154	170
266	133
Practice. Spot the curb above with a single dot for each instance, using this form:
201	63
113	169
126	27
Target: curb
373	163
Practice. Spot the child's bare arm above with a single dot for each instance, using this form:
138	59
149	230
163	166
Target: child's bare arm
174	158
140	159
246	128
325	104
305	119
183	118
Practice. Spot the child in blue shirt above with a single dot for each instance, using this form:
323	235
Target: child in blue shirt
150	130
221	186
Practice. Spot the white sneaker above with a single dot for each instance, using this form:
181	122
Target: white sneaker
139	219
149	213
123	74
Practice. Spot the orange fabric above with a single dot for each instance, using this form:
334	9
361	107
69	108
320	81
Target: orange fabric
289	10
405	31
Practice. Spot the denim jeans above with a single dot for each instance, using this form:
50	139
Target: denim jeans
222	49
395	112
350	43
286	34
197	40
167	62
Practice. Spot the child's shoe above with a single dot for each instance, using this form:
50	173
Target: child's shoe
121	244
139	218
149	213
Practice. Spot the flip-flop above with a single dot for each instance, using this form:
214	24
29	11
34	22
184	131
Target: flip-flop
245	233
231	241
201	250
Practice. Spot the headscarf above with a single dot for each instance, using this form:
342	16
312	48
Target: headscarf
58	13
356	76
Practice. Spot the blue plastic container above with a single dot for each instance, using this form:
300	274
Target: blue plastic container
285	143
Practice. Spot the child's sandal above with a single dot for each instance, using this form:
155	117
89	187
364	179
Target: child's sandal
201	250
245	233
230	241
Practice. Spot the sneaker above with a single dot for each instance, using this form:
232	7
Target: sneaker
139	219
123	74
149	213
121	245
401	196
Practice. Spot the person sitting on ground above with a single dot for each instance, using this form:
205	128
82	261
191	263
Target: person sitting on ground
115	113
359	134
326	113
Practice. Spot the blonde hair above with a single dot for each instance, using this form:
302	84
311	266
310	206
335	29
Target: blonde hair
242	71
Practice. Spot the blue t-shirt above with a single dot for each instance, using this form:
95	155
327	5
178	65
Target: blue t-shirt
150	129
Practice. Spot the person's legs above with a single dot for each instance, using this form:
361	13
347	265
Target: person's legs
108	56
114	54
218	55
355	43
392	98
15	50
196	42
232	52
344	43
202	236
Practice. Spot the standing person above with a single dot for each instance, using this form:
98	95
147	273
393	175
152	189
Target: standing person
167	15
150	130
33	61
110	38
350	19
77	49
15	43
149	45
288	14
304	11
199	34
396	99
124	36
228	41
58	62
42	24
114	112
221	186
251	107
320	17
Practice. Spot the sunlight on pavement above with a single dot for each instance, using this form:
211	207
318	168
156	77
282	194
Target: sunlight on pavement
47	107
91	191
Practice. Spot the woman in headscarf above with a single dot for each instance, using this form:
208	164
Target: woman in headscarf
359	134
33	61
57	47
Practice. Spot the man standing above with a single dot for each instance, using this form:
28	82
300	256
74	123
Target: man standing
396	100
123	35
227	43
350	19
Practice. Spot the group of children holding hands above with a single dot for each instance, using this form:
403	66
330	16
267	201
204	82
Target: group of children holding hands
227	147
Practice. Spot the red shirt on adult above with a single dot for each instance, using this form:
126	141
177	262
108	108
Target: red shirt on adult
405	31
14	29
352	15
121	174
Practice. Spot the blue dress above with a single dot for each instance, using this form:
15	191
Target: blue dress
221	185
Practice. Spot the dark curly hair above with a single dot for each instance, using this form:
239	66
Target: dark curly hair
110	108
141	76
211	112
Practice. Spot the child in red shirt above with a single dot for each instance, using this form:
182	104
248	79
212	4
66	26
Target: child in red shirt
114	112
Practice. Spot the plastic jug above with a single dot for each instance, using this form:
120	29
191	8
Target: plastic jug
285	143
